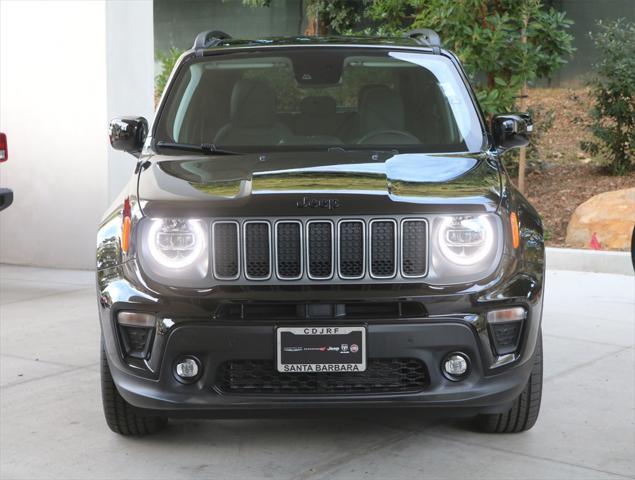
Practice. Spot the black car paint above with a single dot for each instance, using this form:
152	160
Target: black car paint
216	185
6	198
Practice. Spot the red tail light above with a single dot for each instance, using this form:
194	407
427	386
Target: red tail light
4	148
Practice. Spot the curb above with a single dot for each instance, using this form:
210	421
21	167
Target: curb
596	261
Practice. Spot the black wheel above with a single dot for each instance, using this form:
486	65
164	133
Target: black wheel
121	417
524	413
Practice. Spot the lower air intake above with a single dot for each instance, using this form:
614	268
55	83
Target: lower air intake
506	336
385	375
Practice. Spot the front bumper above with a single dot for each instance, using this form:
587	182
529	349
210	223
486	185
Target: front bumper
453	322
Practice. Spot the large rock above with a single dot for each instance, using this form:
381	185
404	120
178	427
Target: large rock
610	216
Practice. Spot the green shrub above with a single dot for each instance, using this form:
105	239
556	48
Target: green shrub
614	91
168	60
487	37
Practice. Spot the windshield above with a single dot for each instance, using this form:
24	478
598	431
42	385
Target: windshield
315	99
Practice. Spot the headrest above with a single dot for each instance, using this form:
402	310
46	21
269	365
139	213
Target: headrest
380	108
253	103
318	105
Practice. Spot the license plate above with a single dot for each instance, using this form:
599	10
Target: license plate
321	349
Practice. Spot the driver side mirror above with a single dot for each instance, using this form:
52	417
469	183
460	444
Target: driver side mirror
128	134
511	130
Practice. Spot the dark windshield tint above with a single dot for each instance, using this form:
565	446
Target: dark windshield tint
307	98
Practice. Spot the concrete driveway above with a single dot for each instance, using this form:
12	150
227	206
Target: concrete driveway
51	422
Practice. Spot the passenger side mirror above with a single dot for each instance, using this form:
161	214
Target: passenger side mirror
511	130
128	134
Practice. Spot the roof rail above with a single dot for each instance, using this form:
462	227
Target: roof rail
209	38
426	37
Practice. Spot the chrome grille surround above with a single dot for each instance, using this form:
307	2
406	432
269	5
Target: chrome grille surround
309	249
247	261
402	249
300	245
277	233
216	250
372	238
340	224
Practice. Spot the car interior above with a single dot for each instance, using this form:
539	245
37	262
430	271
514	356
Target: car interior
255	106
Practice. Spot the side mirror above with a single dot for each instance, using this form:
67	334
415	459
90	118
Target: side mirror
511	130
128	134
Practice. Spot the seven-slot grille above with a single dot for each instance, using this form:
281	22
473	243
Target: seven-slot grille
320	249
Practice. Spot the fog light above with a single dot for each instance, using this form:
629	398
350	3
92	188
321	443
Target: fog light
455	366
187	369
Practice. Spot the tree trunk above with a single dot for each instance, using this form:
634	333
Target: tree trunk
522	158
315	25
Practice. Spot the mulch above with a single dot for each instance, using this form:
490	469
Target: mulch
556	192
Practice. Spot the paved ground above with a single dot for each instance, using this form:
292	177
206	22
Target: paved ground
51	423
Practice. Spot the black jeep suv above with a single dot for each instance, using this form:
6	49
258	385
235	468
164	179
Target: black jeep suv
320	223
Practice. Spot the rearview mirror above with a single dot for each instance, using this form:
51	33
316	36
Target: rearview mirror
128	134
511	130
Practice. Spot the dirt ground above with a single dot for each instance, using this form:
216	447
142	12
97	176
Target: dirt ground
566	176
557	191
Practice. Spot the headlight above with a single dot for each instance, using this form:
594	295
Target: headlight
176	243
174	251
465	240
464	248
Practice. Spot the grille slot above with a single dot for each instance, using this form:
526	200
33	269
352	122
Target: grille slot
320	249
414	248
351	249
226	256
383	251
257	250
384	375
289	250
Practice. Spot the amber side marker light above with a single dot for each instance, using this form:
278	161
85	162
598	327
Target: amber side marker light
513	219
125	226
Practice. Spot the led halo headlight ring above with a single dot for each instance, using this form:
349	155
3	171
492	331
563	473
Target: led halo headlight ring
467	224
176	262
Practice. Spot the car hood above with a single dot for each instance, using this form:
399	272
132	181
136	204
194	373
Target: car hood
314	183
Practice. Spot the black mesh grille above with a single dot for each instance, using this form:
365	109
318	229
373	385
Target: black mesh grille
226	250
320	249
383	249
289	250
257	250
351	249
506	336
385	375
414	248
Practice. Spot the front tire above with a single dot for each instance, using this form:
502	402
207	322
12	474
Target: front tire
121	417
524	412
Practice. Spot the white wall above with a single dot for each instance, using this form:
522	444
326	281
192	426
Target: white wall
63	74
130	75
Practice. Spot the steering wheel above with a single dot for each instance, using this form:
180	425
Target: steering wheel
408	137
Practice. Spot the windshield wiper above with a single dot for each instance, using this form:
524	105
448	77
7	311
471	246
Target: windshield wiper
208	148
338	148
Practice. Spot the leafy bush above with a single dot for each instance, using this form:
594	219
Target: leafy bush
487	37
614	91
168	60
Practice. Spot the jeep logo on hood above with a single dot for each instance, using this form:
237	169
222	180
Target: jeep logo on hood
307	202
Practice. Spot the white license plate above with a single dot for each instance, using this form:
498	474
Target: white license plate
321	349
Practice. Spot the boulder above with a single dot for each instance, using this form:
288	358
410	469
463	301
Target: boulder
610	216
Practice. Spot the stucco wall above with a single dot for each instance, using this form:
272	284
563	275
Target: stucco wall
65	68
